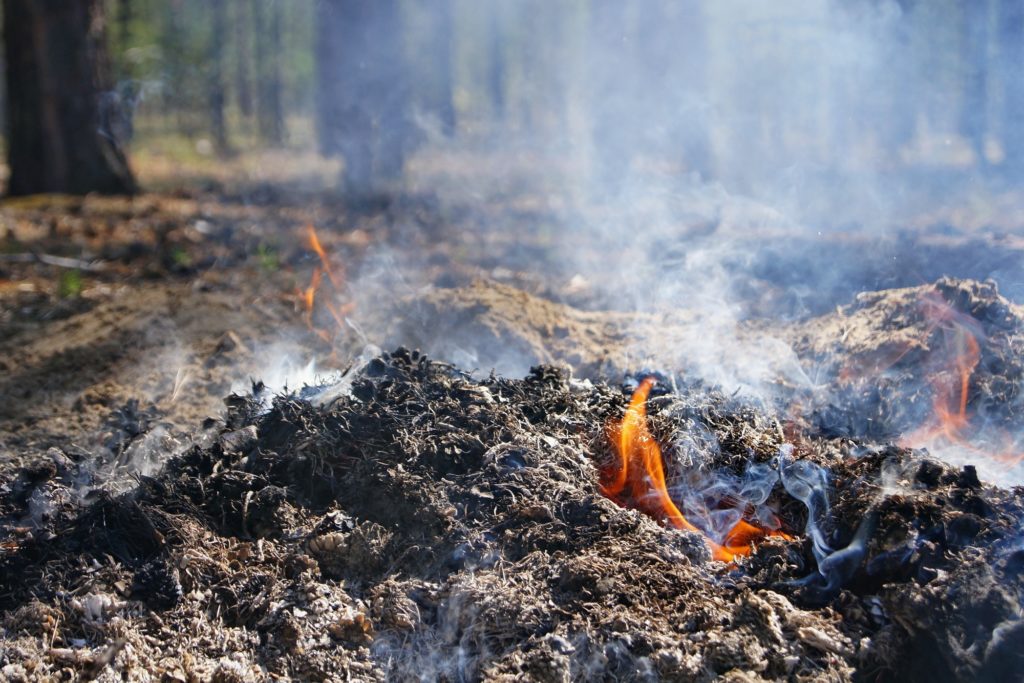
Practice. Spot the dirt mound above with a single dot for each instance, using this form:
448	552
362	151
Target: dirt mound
940	365
489	325
423	524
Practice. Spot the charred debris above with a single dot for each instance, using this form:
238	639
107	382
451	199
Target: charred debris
410	521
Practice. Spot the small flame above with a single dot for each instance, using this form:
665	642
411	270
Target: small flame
313	240
951	424
308	297
637	480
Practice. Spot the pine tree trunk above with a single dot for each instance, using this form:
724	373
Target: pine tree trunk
63	121
125	16
496	62
974	113
243	58
173	89
269	112
1011	49
215	79
363	91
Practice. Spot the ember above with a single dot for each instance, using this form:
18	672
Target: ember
637	480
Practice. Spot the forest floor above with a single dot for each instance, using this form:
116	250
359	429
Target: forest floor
126	322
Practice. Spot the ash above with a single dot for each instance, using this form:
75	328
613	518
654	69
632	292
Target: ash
428	525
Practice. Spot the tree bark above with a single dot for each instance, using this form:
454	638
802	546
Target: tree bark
1011	57
974	105
172	46
269	112
215	79
243	59
125	16
63	120
496	67
363	91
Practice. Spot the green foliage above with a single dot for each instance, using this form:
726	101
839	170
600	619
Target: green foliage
268	258
70	284
181	258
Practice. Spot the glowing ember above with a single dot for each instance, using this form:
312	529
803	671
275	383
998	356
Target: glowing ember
637	480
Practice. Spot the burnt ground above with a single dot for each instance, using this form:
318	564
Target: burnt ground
429	523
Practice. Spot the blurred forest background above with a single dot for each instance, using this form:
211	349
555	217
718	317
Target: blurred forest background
759	96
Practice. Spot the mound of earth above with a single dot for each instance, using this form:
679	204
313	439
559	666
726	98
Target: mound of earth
410	522
492	326
892	359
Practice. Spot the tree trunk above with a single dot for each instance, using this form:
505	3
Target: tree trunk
497	39
125	16
363	91
63	121
172	41
269	112
243	58
1011	55
215	77
974	112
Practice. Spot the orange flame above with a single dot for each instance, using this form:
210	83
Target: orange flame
314	244
637	480
950	424
308	297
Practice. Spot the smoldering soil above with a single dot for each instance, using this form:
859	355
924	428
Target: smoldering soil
417	514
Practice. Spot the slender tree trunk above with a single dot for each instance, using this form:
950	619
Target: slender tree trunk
363	91
1011	49
974	112
391	94
215	79
243	58
125	16
496	67
173	40
344	120
269	112
62	132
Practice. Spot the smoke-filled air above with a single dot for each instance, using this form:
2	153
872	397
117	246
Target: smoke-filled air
543	340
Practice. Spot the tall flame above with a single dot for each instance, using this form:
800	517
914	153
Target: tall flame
637	479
